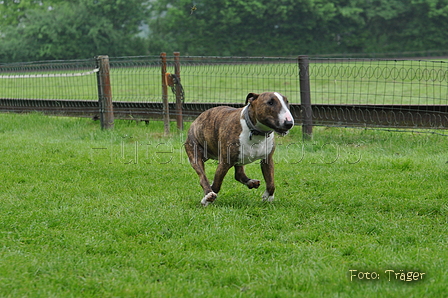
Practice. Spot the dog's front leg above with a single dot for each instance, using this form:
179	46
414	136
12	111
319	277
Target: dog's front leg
267	168
240	176
221	172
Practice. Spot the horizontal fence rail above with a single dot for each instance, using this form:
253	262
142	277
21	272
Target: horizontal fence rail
342	92
433	117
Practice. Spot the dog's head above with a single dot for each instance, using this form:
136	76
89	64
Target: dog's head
271	109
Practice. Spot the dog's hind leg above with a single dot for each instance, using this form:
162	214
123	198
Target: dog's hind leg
196	157
240	176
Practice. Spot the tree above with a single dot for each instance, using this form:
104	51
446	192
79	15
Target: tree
57	29
12	11
244	27
81	29
291	27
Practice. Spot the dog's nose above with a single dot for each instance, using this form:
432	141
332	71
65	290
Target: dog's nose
288	124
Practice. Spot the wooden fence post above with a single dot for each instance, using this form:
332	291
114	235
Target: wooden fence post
305	97
166	108
105	92
179	117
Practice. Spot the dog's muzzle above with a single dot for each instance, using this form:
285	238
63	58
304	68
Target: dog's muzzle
283	130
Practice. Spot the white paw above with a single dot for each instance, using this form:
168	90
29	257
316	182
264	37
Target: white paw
267	197
208	198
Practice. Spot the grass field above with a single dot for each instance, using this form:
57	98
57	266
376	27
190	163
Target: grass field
332	82
91	213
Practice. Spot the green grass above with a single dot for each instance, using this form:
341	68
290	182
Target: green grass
332	82
91	213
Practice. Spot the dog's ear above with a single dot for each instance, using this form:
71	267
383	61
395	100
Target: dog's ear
251	97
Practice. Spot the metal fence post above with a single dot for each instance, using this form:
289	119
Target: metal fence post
305	97
166	108
105	92
179	117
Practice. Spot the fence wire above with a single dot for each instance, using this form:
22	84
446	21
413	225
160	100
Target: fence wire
344	92
230	79
379	82
53	80
136	79
380	93
204	79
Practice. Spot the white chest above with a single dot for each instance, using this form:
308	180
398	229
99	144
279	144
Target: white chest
259	147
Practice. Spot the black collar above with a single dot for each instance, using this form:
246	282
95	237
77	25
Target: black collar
254	131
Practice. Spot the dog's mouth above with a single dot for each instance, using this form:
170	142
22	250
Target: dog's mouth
284	129
282	132
281	129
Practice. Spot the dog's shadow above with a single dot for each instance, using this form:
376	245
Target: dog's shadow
240	202
243	199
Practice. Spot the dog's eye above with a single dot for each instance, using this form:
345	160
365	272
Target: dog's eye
271	102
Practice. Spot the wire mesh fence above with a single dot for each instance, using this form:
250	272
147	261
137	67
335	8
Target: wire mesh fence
136	79
380	93
356	92
379	82
61	80
230	79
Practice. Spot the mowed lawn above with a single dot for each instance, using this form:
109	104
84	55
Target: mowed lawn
91	213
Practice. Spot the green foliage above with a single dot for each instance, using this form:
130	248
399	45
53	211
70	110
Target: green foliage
237	27
55	29
74	30
244	27
13	11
